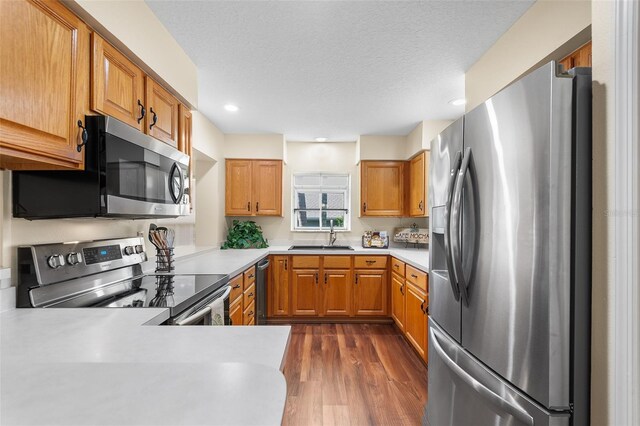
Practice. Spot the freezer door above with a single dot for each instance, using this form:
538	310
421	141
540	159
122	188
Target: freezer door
446	156
516	235
462	392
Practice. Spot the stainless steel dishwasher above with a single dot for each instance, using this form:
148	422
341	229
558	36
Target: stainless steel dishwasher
261	287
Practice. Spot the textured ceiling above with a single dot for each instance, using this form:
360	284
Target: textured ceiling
334	69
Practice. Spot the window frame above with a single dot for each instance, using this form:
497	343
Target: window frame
320	189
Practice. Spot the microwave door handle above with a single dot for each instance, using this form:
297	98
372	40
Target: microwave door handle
447	225
195	317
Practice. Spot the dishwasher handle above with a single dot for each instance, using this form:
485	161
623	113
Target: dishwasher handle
263	265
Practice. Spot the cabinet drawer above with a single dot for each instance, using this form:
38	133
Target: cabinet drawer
249	295
337	262
397	266
249	277
373	262
249	313
304	262
236	288
417	277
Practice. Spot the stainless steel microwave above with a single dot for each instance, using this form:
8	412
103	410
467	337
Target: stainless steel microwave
127	174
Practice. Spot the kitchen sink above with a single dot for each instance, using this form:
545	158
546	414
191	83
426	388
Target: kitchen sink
320	248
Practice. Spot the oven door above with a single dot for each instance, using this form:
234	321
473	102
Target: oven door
142	176
202	313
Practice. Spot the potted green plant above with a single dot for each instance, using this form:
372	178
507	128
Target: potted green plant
245	235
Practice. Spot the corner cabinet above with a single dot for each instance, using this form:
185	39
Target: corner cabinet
418	184
44	85
117	84
382	188
253	187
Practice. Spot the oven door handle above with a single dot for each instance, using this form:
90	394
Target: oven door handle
195	317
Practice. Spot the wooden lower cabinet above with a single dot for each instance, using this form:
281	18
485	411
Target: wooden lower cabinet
398	300
278	289
336	293
415	326
370	293
305	290
235	312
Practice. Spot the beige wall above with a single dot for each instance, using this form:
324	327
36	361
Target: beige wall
603	281
382	147
261	146
136	30
324	157
420	138
545	28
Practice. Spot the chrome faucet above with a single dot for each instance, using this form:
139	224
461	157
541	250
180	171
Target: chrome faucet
332	234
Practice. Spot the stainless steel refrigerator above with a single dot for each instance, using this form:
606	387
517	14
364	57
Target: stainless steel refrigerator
510	253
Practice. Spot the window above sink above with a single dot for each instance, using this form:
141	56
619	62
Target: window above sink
319	198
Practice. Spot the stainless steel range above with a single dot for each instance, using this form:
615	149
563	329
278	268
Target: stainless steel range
108	274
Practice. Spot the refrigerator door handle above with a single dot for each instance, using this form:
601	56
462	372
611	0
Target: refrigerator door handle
489	395
456	214
447	225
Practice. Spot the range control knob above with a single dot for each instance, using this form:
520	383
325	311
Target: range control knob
56	261
139	248
74	258
129	250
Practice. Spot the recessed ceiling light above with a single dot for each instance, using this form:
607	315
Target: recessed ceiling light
321	139
458	102
231	108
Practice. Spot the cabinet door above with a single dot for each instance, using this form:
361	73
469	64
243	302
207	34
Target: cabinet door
236	314
382	188
267	187
279	290
305	284
117	84
416	319
398	300
162	113
238	188
336	293
44	85
418	184
370	293
185	145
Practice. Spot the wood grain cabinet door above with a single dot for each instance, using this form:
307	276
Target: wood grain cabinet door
416	319
267	187
162	113
398	300
370	293
117	84
236	314
418	184
44	85
185	125
279	289
336	293
238	188
305	288
382	188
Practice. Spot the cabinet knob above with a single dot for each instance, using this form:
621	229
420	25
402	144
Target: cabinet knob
143	111
154	120
83	135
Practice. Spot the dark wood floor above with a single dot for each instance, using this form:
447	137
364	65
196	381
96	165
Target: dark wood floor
353	374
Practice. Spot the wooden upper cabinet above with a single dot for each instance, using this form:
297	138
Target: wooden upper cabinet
382	188
44	85
185	125
581	57
253	188
162	113
267	187
418	184
117	84
238	188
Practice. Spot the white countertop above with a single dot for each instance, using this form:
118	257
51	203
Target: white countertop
104	366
